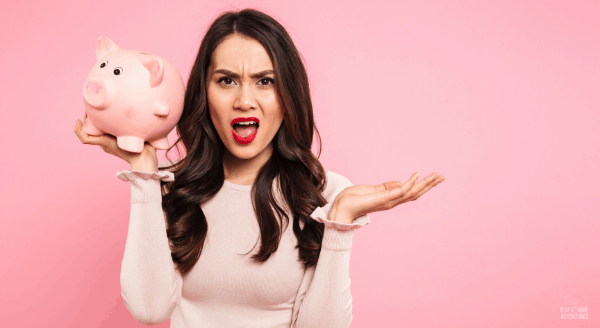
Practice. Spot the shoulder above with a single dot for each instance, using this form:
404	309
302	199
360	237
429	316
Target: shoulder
334	184
336	180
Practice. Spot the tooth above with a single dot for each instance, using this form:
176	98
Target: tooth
246	122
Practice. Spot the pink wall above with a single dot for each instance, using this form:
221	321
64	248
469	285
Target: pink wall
500	98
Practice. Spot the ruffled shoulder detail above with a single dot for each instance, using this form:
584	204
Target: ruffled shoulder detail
320	215
132	174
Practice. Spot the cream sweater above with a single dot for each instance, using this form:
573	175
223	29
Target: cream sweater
227	288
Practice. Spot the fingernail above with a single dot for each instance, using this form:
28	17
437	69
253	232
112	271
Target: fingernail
418	173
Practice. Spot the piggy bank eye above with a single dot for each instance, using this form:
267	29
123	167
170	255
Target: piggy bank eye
118	70
103	64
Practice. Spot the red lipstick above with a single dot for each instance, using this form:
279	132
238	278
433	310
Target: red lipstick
240	139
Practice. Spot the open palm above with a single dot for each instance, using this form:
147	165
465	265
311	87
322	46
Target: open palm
356	201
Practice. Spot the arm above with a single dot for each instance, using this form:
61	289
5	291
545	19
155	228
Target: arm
324	298
150	285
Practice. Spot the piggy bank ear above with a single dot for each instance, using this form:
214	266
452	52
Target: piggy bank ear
104	46
156	68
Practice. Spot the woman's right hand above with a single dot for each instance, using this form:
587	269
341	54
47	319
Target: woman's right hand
146	161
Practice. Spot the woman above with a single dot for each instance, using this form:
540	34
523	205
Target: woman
250	231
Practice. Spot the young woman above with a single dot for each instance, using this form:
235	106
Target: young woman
247	230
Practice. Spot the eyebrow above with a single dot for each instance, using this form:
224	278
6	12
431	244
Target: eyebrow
235	75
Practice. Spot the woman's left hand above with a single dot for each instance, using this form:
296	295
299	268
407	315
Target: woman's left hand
356	201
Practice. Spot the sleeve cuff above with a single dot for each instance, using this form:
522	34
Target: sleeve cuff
320	215
145	186
160	175
338	236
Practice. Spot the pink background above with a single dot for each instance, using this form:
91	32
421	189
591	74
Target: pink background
501	98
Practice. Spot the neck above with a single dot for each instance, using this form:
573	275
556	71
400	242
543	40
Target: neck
244	171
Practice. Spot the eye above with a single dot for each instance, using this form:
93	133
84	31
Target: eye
226	80
267	81
104	63
118	71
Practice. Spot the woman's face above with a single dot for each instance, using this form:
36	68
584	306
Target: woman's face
241	97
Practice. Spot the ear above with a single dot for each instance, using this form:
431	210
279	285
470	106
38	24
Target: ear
104	46
156	68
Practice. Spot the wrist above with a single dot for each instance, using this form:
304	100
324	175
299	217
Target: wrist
339	215
144	166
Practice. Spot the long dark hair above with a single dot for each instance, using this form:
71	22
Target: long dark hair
200	174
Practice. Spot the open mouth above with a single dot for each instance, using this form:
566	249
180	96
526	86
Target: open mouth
244	129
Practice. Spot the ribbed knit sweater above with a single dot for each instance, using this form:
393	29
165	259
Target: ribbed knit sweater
226	288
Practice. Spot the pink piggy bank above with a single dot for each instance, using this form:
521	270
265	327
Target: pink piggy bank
134	96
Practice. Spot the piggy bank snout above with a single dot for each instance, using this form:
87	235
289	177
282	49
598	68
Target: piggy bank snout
95	93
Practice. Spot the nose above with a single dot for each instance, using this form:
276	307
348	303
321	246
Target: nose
245	99
95	93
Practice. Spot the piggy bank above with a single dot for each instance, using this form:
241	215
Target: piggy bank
135	96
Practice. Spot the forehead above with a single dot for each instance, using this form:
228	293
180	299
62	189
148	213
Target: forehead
237	52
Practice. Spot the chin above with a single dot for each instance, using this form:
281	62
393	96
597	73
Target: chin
244	152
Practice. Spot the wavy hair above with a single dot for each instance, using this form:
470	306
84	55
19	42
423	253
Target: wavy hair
200	175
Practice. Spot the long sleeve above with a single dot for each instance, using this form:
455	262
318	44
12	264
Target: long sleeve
150	285
324	298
